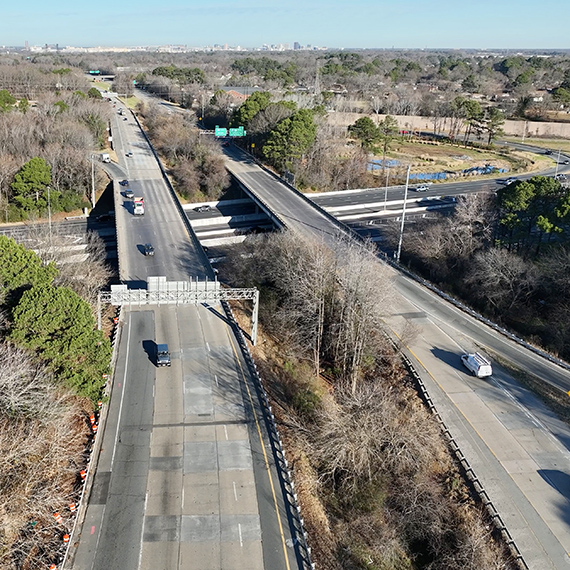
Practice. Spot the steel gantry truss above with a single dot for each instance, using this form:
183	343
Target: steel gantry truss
163	292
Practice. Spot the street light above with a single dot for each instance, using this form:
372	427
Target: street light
557	163
93	180
386	188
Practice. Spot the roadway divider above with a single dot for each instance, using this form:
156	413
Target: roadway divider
297	525
468	472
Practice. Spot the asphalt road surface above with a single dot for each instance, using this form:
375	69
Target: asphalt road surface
186	476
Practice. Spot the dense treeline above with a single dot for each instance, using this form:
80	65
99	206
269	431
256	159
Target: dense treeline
48	145
293	140
52	320
53	364
391	82
507	255
194	161
377	485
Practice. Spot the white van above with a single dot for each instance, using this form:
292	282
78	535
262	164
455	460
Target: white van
477	364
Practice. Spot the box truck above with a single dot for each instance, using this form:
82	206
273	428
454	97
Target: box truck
138	206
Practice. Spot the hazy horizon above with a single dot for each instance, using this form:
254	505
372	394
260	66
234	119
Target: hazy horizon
360	24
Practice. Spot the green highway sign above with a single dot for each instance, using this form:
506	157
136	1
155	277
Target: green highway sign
237	132
220	132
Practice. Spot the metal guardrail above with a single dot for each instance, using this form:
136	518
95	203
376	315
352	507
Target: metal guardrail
94	452
297	526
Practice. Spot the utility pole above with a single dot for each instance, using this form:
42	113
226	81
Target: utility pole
403	216
386	188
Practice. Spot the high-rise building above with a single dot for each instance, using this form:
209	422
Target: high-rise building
296	45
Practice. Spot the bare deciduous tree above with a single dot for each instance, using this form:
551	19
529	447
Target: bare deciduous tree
502	278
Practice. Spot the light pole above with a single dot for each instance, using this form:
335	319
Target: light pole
403	216
93	180
386	188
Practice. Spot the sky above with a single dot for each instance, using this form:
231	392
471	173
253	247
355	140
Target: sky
512	24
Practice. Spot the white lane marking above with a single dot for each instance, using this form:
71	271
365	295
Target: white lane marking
142	529
208	347
122	395
240	538
235	491
216	379
226	431
182	497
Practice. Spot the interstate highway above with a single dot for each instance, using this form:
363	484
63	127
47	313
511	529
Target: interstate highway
185	476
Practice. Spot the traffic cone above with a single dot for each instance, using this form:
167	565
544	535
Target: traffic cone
94	428
58	518
65	538
100	404
52	567
83	474
72	507
92	419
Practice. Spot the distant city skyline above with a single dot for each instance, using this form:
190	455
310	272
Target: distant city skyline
517	24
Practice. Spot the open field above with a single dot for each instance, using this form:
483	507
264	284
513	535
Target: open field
440	157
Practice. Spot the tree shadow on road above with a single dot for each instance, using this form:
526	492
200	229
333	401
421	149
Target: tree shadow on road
561	482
